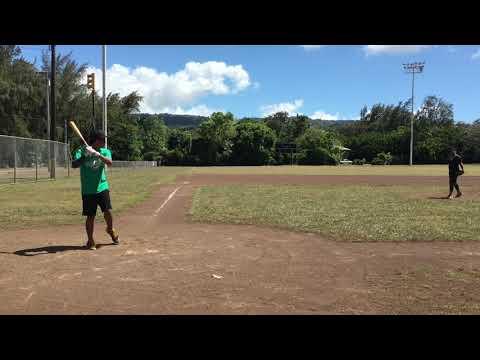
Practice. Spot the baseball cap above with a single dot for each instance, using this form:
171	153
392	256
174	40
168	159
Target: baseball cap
99	134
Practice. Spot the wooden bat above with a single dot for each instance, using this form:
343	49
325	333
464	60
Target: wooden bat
75	128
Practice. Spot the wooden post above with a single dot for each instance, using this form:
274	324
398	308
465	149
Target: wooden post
68	159
14	160
36	163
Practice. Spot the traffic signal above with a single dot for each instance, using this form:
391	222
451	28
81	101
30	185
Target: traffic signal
91	81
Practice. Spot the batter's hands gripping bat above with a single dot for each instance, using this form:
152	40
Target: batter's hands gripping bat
75	128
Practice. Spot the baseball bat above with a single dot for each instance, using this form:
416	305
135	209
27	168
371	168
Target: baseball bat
77	131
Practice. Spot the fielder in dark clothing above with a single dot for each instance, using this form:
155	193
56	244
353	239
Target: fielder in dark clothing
455	169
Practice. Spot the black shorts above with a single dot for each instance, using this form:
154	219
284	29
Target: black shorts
90	203
453	176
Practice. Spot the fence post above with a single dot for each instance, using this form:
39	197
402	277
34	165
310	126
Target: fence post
67	159
14	161
49	160
52	159
36	161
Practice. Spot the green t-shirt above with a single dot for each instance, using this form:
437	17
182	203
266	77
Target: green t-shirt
92	171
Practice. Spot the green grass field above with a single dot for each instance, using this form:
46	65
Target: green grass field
355	213
59	202
394	170
351	213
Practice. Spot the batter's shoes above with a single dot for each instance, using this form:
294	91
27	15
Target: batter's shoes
114	235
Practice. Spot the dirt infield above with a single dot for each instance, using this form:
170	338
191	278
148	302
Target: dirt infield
167	265
326	179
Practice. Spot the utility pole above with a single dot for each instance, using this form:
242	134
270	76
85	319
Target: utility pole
48	105
413	68
53	112
104	69
47	99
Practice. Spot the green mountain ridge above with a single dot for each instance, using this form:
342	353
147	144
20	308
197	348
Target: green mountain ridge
193	121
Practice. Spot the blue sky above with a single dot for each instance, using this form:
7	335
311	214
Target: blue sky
331	82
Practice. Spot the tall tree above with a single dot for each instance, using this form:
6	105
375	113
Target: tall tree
124	128
254	144
434	112
471	148
154	134
299	124
218	132
279	122
71	94
20	94
319	147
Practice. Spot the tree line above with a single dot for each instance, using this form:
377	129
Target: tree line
386	129
380	136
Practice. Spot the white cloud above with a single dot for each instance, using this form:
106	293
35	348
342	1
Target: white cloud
290	107
394	49
293	107
312	47
319	114
200	110
476	55
162	91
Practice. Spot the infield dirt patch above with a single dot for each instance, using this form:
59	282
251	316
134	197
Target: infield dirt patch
168	265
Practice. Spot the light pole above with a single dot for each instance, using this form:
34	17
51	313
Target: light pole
413	68
104	72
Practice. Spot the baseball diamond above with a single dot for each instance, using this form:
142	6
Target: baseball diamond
169	263
239	179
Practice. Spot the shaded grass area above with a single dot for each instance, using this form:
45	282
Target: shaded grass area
346	213
59	202
392	170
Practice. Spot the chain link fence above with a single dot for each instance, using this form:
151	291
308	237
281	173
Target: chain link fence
118	164
25	160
